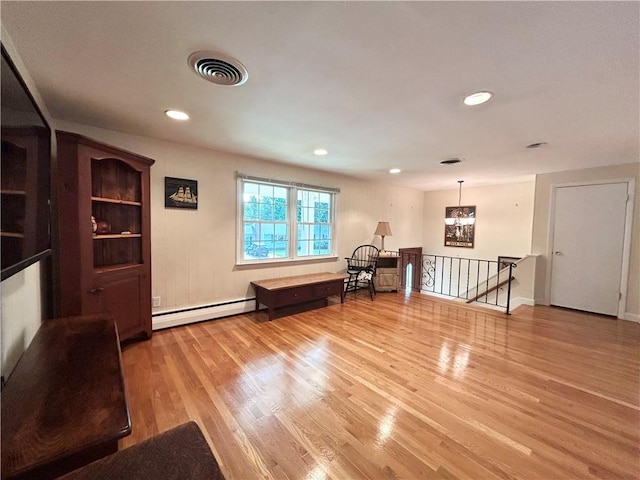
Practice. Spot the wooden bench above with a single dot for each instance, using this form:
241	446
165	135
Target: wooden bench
281	292
64	405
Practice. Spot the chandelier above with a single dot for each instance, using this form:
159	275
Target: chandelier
459	216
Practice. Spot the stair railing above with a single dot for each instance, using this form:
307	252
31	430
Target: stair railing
469	279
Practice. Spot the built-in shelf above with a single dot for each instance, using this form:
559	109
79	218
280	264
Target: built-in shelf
113	200
20	182
108	271
116	268
13	192
116	235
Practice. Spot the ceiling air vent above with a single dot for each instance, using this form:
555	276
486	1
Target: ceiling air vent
218	68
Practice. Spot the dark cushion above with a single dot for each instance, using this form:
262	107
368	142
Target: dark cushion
179	453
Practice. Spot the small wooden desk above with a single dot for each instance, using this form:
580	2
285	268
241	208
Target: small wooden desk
281	292
64	405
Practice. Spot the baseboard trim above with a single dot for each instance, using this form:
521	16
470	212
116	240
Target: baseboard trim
632	317
516	302
185	316
444	297
174	318
541	301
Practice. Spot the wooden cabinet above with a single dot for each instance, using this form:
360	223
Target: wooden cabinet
386	279
24	187
109	269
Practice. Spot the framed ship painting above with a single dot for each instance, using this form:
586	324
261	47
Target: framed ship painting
180	193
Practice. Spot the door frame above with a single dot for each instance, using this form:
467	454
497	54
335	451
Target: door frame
626	246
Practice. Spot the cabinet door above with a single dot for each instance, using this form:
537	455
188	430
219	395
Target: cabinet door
120	295
386	280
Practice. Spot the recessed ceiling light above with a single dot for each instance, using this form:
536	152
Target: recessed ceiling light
450	161
477	98
395	170
320	152
176	114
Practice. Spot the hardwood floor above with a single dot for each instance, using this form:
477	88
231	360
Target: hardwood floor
401	387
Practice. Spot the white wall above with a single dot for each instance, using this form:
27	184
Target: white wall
542	219
504	215
193	252
21	314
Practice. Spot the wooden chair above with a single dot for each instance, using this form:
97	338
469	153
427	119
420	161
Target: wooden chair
361	268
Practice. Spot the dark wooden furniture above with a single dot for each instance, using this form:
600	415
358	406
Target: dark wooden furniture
64	405
24	191
108	270
282	292
411	256
181	453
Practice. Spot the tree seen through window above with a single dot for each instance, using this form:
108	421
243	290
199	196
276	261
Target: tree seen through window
268	228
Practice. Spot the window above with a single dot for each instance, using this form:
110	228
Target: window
280	221
314	227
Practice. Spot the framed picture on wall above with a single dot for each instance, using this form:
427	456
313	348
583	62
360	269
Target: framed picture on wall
460	226
180	193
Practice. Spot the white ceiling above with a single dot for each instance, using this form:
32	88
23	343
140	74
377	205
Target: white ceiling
378	84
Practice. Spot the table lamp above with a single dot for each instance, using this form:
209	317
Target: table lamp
383	229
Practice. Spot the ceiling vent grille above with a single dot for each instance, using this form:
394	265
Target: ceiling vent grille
218	68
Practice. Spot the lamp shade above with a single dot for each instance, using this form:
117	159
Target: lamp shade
383	229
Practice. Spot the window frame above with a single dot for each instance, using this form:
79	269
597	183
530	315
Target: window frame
291	222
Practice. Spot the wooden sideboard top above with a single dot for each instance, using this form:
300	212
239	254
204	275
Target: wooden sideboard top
298	280
65	396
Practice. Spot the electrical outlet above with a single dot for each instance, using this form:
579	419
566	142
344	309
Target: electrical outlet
156	301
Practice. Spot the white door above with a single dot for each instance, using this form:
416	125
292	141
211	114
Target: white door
588	240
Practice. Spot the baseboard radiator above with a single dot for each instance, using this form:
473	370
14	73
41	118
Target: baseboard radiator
174	318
